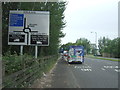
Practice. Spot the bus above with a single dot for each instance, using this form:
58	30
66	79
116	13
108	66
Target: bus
76	54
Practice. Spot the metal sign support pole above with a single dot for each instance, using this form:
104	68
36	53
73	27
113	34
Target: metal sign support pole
36	51
21	49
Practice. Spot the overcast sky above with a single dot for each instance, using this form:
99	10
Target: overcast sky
86	16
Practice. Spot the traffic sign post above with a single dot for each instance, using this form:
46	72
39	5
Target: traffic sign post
21	50
36	51
28	28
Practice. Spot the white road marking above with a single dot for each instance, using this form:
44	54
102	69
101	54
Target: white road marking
90	69
102	68
75	66
117	70
83	68
86	70
107	66
110	66
116	66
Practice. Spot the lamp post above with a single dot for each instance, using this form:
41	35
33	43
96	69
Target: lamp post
46	2
95	38
95	42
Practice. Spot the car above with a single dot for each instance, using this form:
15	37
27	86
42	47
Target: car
65	55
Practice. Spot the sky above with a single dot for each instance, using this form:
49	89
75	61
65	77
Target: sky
86	16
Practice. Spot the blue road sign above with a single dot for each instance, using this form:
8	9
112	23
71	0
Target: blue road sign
16	20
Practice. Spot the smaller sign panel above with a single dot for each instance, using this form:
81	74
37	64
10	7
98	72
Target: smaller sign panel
16	19
17	38
39	40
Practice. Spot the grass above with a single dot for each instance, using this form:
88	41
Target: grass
96	57
50	65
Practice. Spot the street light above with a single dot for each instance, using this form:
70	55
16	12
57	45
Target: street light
95	38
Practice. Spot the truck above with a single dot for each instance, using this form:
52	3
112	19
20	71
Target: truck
76	54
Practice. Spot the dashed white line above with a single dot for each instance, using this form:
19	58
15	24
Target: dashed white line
110	66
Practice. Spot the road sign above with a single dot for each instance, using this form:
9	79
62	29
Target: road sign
28	28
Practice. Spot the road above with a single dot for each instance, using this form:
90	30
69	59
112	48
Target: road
94	73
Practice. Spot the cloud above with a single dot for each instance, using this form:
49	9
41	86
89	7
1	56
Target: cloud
84	16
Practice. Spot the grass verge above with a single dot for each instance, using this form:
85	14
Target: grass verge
95	57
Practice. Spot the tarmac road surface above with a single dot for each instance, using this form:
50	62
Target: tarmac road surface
93	73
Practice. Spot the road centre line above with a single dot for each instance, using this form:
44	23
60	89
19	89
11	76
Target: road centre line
110	66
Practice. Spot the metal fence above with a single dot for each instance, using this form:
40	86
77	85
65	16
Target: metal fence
30	71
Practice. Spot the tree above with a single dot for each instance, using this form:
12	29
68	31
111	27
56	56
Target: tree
56	25
66	46
104	45
5	21
110	47
84	42
115	47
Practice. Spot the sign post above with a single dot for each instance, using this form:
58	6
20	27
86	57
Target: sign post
28	28
21	50
36	51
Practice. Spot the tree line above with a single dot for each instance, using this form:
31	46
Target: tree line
106	46
57	24
82	41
